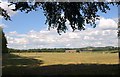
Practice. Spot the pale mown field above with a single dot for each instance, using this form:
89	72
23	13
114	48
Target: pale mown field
73	58
41	64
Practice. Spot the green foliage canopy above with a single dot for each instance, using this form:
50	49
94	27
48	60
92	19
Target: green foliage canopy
77	13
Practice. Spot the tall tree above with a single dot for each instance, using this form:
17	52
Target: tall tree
4	42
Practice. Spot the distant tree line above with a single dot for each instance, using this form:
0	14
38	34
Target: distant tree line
43	50
94	49
107	48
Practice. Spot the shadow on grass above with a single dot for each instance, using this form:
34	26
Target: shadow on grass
15	65
31	68
15	60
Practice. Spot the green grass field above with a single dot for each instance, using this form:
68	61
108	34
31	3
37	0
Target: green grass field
60	63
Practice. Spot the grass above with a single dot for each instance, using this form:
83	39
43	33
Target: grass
73	58
60	63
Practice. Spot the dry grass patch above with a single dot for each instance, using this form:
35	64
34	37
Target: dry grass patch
73	58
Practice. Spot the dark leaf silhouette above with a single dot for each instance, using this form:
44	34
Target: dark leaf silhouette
57	13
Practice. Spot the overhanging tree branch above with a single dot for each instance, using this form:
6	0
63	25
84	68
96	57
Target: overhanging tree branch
77	13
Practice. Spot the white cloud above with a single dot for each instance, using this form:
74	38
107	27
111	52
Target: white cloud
107	24
13	33
4	5
99	36
3	26
73	35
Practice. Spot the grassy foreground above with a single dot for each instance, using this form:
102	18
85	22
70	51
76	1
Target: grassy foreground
72	58
60	64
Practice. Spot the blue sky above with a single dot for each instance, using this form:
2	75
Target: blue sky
112	13
23	22
29	31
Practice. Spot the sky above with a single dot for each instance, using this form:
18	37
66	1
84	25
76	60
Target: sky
28	31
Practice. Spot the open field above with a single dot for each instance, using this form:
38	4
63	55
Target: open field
60	63
73	58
